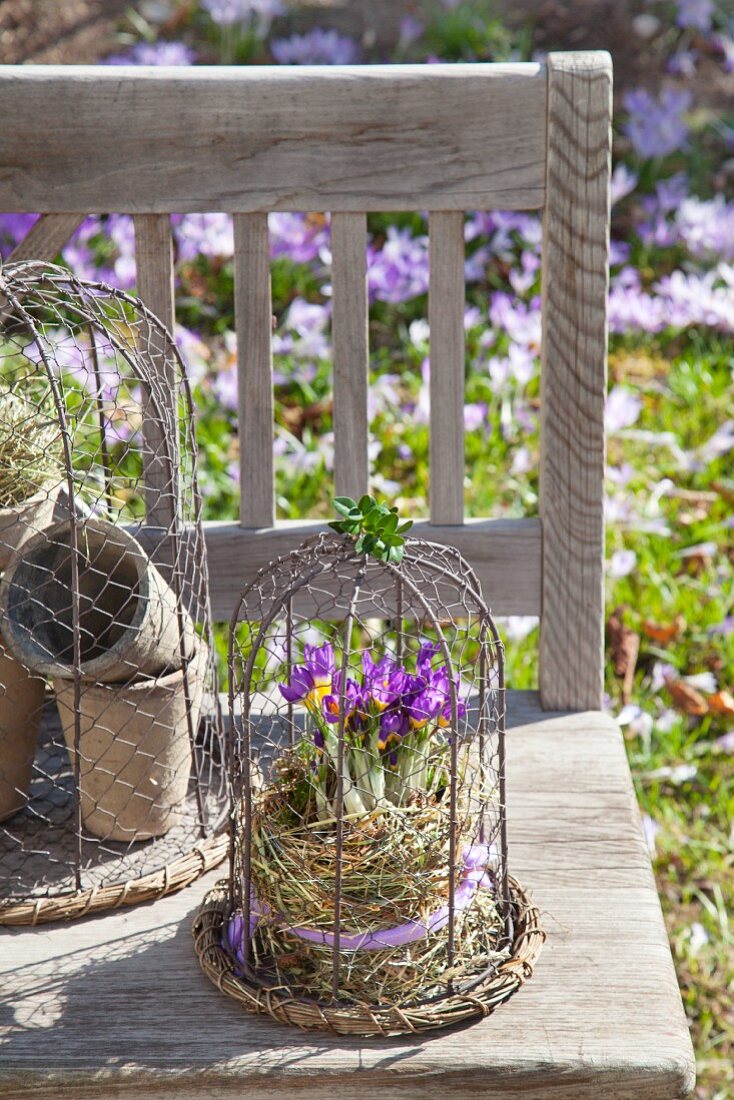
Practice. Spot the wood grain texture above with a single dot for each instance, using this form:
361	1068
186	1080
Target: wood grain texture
154	140
254	322
350	353
446	295
154	262
46	237
573	379
117	1005
506	555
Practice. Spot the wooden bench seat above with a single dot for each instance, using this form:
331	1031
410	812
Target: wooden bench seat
117	1005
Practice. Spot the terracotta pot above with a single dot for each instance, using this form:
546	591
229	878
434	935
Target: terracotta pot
135	750
21	703
20	522
128	620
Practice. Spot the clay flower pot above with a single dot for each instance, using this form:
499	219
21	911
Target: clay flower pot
128	613
21	702
134	749
19	522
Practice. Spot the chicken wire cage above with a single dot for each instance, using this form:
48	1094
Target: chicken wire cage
113	787
368	888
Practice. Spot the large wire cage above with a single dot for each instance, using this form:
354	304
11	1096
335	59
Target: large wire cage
113	786
368	888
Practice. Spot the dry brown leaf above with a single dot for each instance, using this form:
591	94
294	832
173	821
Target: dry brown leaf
664	633
686	699
625	646
725	489
628	366
722	703
296	417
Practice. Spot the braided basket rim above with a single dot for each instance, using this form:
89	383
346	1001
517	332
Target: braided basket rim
165	880
361	1020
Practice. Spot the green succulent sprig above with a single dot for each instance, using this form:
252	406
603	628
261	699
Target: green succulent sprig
375	527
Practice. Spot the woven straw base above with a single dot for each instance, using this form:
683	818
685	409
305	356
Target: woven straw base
174	876
370	1020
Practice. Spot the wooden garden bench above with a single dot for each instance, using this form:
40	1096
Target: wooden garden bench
116	1005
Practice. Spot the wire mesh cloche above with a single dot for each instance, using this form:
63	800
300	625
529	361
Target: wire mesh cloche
112	783
368	890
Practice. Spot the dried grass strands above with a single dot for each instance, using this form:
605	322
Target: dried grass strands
481	999
30	448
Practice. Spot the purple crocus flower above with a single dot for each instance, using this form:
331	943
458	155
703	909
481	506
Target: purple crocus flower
411	30
300	687
655	126
227	13
353	700
622	409
394	725
398	271
425	656
312	680
154	53
725	44
384	681
320	660
300	237
13	228
424	705
318	47
696	14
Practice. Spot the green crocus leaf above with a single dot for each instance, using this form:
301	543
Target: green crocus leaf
375	528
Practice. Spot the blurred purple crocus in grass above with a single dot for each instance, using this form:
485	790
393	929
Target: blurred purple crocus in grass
683	63
398	271
621	563
318	47
13	228
411	30
725	44
622	409
228	13
299	237
656	127
154	53
696	14
209	235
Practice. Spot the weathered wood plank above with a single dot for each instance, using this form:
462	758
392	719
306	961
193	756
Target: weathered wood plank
350	353
118	1006
46	237
253	321
43	241
573	379
446	296
272	138
505	553
154	261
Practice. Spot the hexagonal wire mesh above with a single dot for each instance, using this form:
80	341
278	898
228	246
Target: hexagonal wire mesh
369	854
112	776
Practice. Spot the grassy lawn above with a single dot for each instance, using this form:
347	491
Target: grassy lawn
670	488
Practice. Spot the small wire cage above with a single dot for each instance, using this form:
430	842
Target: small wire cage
368	889
113	786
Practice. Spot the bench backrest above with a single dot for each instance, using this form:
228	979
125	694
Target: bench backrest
441	138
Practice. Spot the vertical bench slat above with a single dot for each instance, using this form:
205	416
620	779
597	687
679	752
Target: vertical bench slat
446	295
351	353
254	323
46	237
573	380
154	261
43	241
